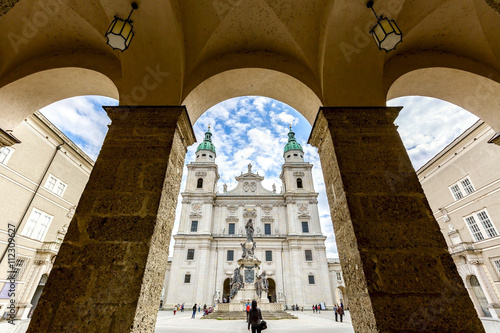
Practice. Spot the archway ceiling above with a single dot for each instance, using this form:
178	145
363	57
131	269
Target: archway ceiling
189	41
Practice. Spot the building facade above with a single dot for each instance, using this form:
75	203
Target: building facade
41	181
462	184
288	236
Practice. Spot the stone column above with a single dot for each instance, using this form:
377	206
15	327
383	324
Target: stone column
399	275
109	272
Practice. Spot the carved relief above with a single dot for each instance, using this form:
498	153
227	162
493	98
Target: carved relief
303	209
267	209
298	174
249	212
200	174
196	207
267	219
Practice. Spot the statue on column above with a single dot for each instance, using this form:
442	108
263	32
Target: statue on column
249	229
236	283
248	253
261	284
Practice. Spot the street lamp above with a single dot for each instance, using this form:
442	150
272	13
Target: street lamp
386	32
120	32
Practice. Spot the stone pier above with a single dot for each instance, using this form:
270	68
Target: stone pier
109	272
399	274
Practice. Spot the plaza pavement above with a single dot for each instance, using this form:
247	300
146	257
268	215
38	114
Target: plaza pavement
307	322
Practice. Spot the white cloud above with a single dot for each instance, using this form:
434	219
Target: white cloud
82	119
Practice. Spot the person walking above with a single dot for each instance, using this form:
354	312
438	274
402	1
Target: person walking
254	318
175	309
335	309
319	308
341	312
194	312
247	308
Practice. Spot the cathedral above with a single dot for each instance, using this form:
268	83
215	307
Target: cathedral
288	238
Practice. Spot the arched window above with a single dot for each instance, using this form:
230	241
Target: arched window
299	182
200	183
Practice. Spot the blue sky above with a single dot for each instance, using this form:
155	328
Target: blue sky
254	130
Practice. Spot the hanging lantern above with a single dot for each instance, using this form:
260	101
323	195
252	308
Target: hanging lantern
386	32
120	32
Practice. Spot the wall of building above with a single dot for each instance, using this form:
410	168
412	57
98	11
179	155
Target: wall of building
23	184
470	158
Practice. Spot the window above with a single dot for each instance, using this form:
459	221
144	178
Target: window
496	264
305	227
288	156
187	278
230	255
55	185
231	228
190	255
299	182
339	276
194	226
295	155
269	255
37	225
210	156
309	255
5	154
311	279
18	270
483	229
200	183
267	228
462	188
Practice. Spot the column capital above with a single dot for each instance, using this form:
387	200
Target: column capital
157	115
362	116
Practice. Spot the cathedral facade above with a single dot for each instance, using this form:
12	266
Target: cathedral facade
288	237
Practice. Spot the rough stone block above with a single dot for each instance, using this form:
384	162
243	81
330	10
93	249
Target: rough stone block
122	228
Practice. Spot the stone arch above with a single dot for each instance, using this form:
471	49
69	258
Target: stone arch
478	94
271	294
252	82
226	288
478	295
342	297
49	86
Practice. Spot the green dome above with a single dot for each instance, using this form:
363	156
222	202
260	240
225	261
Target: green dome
207	142
292	142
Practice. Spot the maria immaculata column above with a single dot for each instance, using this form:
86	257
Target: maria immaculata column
398	272
109	272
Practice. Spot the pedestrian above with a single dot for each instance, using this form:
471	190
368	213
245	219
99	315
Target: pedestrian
342	305
204	306
247	308
335	308
254	318
319	308
194	311
199	307
313	308
341	312
175	309
182	307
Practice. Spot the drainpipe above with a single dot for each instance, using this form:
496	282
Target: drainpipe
216	267
31	200
282	274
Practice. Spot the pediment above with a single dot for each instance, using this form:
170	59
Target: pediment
194	214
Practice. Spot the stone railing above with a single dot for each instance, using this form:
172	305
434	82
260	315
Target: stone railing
276	307
462	247
222	307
